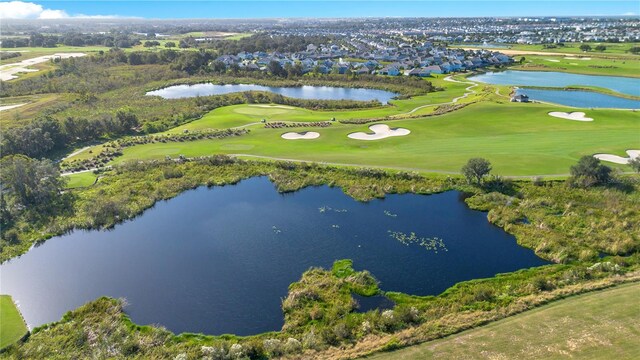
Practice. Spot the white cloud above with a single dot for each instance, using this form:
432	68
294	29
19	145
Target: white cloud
28	10
20	10
53	14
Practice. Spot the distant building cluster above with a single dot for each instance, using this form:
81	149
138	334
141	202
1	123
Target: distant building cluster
422	60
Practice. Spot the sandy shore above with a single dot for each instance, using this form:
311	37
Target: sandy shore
9	71
308	135
380	131
618	159
577	115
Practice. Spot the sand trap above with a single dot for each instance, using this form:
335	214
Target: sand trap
618	159
573	63
380	131
577	58
307	135
553	60
273	106
577	115
9	107
8	71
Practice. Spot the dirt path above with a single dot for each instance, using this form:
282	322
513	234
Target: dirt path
9	71
9	107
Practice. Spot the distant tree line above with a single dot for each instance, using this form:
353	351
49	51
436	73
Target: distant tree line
73	39
265	42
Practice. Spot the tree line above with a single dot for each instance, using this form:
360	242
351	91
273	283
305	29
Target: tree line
119	40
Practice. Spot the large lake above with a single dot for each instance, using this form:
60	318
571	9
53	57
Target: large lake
625	85
580	99
300	92
220	260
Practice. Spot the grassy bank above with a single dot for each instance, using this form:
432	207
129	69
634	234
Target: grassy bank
598	325
12	326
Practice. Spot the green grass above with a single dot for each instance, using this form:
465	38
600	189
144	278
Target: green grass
618	50
80	180
613	49
34	104
629	67
599	325
519	139
12	327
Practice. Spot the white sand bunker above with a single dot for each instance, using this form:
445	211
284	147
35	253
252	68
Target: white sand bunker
618	159
380	131
553	60
577	115
577	58
308	135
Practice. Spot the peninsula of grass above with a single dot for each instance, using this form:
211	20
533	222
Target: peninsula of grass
519	139
597	325
12	326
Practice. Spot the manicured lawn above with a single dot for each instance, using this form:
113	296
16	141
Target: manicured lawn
519	139
618	50
12	327
599	325
80	180
613	49
629	67
239	115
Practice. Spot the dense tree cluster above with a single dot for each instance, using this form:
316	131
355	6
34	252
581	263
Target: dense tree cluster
46	133
29	181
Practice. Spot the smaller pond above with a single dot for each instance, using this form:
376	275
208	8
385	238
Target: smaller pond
580	99
376	302
299	92
624	85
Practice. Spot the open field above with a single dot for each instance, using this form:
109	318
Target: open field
33	104
211	34
33	52
519	139
613	49
629	67
599	325
12	327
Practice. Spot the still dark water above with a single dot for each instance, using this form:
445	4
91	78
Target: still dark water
220	260
300	92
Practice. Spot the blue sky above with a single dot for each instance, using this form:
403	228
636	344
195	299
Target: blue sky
280	9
